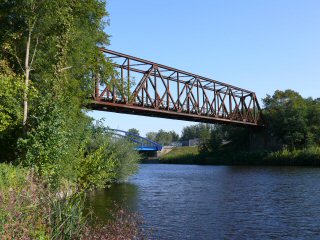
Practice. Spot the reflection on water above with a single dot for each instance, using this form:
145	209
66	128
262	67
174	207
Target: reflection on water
217	202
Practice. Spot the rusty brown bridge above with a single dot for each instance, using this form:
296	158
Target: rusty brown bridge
146	88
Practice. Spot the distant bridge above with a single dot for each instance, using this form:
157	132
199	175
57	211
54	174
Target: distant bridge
142	144
166	92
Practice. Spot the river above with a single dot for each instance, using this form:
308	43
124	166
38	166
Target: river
221	202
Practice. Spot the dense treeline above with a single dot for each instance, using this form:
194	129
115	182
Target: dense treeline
292	119
169	137
48	59
163	137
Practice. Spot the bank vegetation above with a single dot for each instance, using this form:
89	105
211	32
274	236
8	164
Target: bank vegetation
52	153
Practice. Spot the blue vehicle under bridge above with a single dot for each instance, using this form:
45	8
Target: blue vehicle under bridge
141	144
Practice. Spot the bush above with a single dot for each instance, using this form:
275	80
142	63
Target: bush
106	160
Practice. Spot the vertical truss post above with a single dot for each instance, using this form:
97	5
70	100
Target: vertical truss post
155	88
142	92
198	99
215	99
147	99
122	87
128	82
242	105
230	104
204	107
178	92
168	92
254	108
188	97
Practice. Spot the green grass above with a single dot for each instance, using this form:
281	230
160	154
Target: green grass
185	155
191	155
307	156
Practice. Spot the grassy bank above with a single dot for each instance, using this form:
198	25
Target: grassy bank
191	155
183	155
29	209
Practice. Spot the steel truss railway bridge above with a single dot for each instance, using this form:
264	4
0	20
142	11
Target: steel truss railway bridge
146	88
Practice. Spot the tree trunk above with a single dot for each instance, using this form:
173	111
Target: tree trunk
25	94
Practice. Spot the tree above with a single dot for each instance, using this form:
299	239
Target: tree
162	137
213	143
134	131
58	43
195	131
313	121
11	90
286	115
175	136
151	136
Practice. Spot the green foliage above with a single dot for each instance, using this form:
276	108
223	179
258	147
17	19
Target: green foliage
46	145
97	168
128	159
201	131
60	144
106	160
151	136
11	88
29	210
162	137
306	156
237	139
313	137
64	57
134	131
213	142
286	117
183	155
67	220
12	177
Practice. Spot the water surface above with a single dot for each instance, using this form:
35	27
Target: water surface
221	202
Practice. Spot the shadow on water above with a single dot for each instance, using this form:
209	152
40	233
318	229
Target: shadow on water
124	195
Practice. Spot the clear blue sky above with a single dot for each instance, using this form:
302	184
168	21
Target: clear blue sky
259	45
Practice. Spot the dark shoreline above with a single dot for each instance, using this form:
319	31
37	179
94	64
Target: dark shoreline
305	157
253	164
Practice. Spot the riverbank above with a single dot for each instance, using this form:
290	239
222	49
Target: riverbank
192	155
181	155
30	209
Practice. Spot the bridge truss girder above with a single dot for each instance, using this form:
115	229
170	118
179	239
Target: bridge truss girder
162	91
